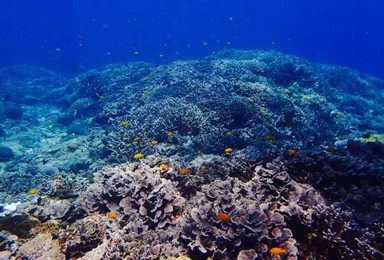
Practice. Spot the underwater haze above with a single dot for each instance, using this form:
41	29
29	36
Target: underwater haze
191	130
74	36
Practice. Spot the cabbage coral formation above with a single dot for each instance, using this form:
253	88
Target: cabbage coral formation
155	219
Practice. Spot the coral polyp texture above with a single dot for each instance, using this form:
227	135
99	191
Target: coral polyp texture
240	155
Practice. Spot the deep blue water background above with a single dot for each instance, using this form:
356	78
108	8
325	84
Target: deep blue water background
76	35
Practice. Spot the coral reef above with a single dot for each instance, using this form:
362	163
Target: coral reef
149	207
63	186
241	155
86	234
41	247
6	153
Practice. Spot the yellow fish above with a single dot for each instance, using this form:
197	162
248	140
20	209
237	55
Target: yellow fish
163	166
138	156
264	111
33	191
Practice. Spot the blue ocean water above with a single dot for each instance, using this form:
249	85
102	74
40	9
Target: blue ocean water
73	36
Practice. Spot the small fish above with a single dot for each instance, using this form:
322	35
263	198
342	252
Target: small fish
331	149
136	52
205	170
223	217
137	139
163	166
338	115
288	123
229	133
228	150
33	191
170	134
184	171
264	111
269	137
277	251
138	156
311	236
124	123
112	215
154	142
291	153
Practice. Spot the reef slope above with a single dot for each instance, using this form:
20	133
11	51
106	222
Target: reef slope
241	155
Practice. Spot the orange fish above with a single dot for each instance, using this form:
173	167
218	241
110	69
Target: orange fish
112	215
277	251
291	153
223	217
204	170
184	171
331	149
269	137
